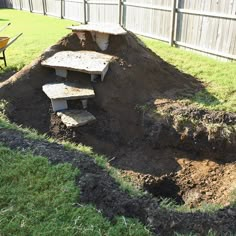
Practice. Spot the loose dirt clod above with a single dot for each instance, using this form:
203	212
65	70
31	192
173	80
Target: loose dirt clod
167	148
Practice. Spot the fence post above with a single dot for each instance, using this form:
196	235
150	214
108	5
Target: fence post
44	12
20	2
172	26
30	6
45	7
62	9
120	12
85	12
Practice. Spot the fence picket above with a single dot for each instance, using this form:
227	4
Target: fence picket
208	26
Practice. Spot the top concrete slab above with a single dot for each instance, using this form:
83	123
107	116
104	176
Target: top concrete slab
84	61
113	29
68	91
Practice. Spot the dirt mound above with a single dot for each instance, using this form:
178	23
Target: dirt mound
191	128
135	76
156	155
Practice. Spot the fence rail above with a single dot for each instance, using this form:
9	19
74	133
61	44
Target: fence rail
205	26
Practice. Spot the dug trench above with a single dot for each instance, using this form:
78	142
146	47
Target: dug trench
164	146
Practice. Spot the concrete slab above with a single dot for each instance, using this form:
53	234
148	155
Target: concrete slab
59	93
59	104
75	118
61	73
100	32
68	91
113	29
101	39
84	61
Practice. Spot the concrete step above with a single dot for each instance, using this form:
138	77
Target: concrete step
112	29
75	118
100	32
93	63
59	93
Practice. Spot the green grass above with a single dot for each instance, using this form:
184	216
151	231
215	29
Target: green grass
39	32
219	77
40	199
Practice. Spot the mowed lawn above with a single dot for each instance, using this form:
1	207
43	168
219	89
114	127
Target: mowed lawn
218	77
39	32
38	198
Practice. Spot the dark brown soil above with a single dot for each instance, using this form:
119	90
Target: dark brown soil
99	188
191	128
6	76
150	151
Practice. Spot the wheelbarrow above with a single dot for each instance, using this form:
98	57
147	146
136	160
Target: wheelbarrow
5	42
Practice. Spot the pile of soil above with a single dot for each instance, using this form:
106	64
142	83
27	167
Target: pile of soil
135	76
5	76
190	128
149	151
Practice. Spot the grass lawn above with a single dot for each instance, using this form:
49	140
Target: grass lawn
40	199
39	32
219	77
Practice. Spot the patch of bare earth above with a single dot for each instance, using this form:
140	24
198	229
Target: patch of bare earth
165	147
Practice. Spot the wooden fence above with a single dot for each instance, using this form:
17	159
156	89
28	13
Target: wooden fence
208	26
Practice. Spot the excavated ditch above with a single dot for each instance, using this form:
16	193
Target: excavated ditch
154	141
98	188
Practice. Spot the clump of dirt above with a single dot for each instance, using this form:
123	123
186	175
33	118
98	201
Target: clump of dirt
194	184
190	128
206	182
177	152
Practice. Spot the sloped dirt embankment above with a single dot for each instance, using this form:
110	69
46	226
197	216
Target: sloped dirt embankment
169	149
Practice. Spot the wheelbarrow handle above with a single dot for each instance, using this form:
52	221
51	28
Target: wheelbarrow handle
14	39
11	42
4	27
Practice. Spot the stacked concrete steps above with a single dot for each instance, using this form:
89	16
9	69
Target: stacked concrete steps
90	62
93	63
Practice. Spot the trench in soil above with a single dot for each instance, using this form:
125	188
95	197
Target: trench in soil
185	176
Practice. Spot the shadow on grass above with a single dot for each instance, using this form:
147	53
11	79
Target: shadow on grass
4	19
203	97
